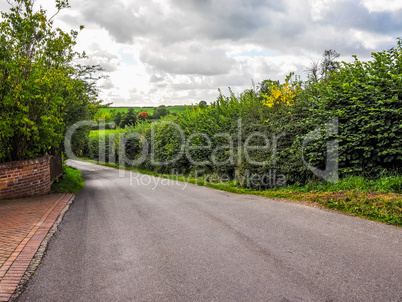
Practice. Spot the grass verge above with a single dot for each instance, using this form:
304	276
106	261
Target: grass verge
71	182
356	200
383	184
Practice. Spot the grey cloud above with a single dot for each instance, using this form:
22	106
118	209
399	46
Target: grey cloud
213	7
189	60
155	79
114	16
353	15
4	6
104	62
72	21
97	51
161	85
97	56
107	84
233	19
229	20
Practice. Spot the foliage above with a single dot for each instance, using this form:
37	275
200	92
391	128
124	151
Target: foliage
142	116
159	112
41	91
281	95
102	116
105	141
261	132
366	97
166	145
318	71
129	119
202	104
117	118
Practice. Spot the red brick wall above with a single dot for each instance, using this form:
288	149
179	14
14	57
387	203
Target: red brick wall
25	178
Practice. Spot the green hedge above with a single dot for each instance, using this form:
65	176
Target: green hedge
366	97
363	97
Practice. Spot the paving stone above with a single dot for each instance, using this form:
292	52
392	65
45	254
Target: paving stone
24	225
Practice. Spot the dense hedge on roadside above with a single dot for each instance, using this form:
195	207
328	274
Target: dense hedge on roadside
364	97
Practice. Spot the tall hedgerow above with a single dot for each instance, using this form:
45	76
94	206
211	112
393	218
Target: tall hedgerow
366	97
262	131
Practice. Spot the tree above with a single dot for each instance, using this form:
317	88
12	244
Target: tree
319	70
42	92
117	118
202	105
160	112
328	63
129	118
143	116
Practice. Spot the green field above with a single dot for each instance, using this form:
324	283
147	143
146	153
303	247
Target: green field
95	133
150	110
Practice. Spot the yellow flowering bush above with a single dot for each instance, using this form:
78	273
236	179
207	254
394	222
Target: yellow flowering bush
279	95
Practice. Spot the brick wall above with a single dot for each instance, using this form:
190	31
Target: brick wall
25	178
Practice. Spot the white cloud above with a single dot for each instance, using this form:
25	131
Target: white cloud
382	6
369	40
319	8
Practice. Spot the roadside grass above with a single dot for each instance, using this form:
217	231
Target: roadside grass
71	182
371	199
384	184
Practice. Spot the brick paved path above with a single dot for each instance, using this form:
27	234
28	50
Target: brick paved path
24	223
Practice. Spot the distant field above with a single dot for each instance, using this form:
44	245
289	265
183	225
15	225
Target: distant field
107	131
150	110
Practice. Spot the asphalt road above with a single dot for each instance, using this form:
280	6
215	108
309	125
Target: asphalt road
141	238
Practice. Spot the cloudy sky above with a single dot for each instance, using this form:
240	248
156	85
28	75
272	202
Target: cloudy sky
177	52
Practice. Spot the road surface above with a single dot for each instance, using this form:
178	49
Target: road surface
141	238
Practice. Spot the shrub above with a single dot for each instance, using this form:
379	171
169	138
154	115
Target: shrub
142	116
274	119
366	97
